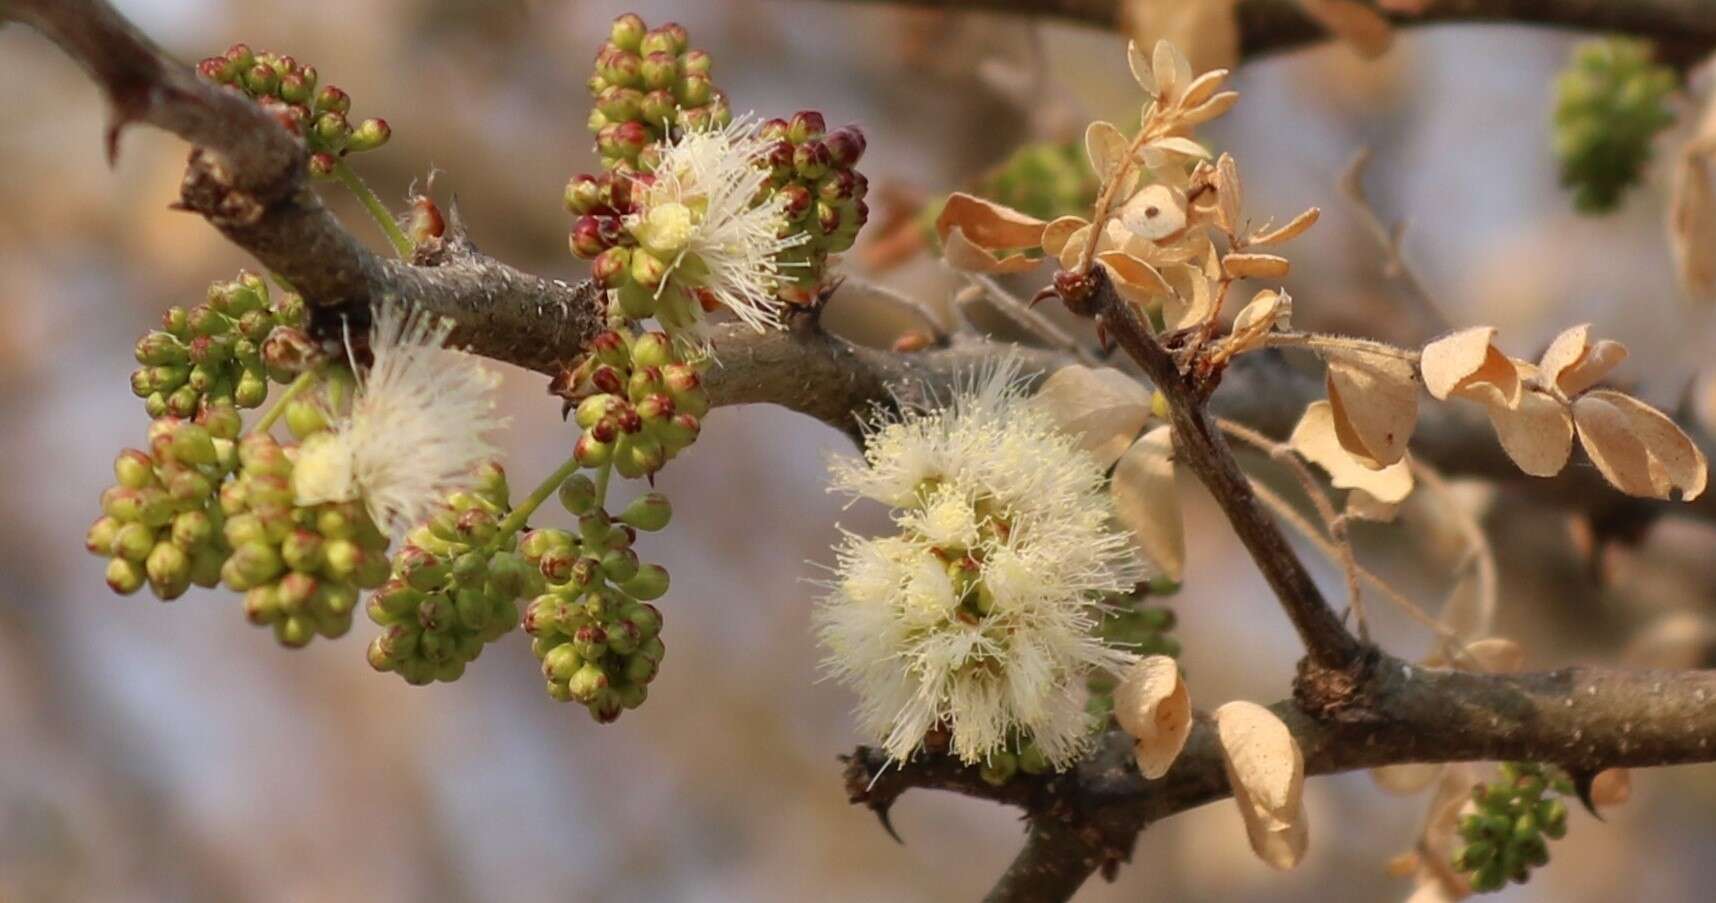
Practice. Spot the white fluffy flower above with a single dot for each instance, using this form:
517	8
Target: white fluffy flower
979	612
702	211
417	429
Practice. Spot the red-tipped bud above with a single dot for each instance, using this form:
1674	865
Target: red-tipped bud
806	125
628	31
611	267
845	146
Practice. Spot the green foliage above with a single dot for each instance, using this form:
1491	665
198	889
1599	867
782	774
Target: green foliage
1507	836
222	351
1610	101
318	114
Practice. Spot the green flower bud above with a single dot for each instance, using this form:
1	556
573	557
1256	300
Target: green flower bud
206	562
99	539
586	682
294	631
1031	759
369	135
192	529
295	591
648	512
645	617
537	543
658	107
124	577
133	542
187	487
592	453
305	418
303	551
640	669
647	269
620	565
650	583
639	456
627	32
251	564
578	494
560	663
160	349
1000	768
134	469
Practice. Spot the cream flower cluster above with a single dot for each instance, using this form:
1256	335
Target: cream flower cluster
978	614
701	215
417	430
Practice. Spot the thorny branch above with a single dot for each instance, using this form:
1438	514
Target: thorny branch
1683	29
1206	454
1354	706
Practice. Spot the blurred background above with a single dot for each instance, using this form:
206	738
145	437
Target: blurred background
173	752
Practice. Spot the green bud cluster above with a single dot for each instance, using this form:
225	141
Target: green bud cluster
222	351
639	399
300	567
1505	837
1610	101
648	82
1138	628
593	629
1021	755
317	114
455	587
815	171
161	521
1046	179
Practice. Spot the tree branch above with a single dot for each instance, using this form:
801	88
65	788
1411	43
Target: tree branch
1684	29
1201	447
1355	707
520	318
1583	719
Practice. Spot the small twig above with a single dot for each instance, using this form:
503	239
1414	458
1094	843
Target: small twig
1303	526
1027	318
1327	642
864	291
1478	545
1351	183
1317	341
1333	521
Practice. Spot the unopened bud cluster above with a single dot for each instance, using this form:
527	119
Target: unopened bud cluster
1020	756
1506	835
815	171
160	522
648	82
455	587
597	636
319	114
301	567
222	351
1610	101
639	400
